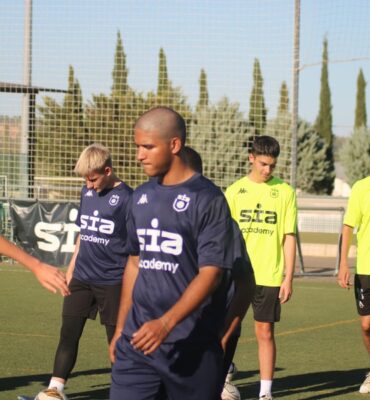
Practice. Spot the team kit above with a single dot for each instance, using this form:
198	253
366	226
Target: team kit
172	267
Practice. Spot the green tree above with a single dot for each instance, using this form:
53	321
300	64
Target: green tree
324	121
313	168
360	116
220	133
281	129
164	84
283	107
168	95
60	132
120	71
203	91
355	155
257	109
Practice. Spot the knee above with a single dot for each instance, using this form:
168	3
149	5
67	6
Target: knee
365	326
265	333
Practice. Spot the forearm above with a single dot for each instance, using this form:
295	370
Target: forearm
289	256
347	232
9	249
128	282
202	286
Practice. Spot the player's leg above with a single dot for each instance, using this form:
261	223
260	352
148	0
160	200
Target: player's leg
108	299
191	371
362	295
133	376
266	308
230	391
77	307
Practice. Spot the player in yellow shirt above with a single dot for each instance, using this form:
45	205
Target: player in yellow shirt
358	216
265	209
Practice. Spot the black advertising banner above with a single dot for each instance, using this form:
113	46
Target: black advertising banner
47	230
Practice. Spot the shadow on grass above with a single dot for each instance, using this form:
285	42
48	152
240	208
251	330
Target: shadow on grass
21	382
311	386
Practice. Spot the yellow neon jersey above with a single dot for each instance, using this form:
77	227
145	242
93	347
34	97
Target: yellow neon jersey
358	216
265	212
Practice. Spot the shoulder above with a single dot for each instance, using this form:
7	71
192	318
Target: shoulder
237	186
362	185
279	184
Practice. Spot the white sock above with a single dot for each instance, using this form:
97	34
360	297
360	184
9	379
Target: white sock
58	385
265	387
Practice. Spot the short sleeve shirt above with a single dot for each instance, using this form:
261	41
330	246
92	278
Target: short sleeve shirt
265	212
102	216
358	216
176	230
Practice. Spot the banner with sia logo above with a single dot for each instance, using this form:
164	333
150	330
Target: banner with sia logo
47	230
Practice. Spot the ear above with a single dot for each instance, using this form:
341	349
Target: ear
251	158
176	145
108	171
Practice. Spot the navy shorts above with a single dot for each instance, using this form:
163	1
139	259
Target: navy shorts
266	304
86	300
175	371
362	294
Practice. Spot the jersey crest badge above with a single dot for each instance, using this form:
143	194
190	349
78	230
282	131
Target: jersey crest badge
143	199
181	203
274	193
113	201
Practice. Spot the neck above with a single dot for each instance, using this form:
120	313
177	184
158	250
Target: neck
178	173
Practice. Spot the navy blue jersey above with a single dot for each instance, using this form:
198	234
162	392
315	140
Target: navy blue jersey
241	262
176	230
103	235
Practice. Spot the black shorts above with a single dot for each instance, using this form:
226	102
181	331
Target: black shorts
266	304
362	294
86	300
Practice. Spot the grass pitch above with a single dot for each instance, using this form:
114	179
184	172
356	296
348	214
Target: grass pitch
320	351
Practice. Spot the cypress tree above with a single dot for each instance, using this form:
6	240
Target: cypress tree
284	99
360	116
324	120
163	82
203	91
120	71
257	109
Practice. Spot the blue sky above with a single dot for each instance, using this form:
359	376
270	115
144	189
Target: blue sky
221	36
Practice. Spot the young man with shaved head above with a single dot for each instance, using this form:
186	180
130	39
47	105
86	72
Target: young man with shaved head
167	343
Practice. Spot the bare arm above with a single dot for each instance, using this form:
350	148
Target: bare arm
151	334
286	288
50	277
244	290
344	274
128	283
72	263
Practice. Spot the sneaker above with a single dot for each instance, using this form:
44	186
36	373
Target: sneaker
230	392
231	372
266	397
51	394
365	387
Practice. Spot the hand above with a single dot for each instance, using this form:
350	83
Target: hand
286	291
52	279
150	336
344	276
112	347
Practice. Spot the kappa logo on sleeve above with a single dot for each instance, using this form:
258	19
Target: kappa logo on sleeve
181	203
89	193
